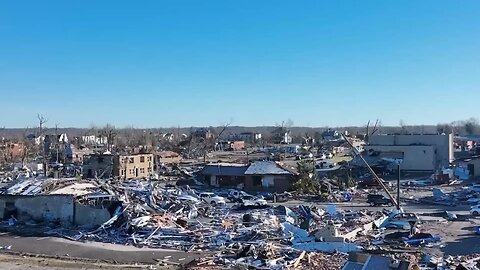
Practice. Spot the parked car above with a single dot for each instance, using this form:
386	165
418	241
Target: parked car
329	155
417	183
302	157
405	217
251	200
236	195
378	199
212	198
188	199
269	196
322	156
370	183
421	239
325	165
402	221
475	210
265	195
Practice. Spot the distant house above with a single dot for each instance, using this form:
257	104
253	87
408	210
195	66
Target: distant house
230	146
287	138
168	157
357	143
257	176
93	139
331	134
466	143
203	133
249	137
168	136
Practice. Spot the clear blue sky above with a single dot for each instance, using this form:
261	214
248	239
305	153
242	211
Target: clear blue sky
252	62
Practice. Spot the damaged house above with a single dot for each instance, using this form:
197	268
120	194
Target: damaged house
257	176
109	165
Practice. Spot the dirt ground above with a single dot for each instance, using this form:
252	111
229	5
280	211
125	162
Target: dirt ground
92	252
17	261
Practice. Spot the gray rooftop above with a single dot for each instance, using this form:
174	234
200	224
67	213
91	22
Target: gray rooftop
224	169
266	167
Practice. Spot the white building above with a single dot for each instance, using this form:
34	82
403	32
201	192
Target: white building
419	152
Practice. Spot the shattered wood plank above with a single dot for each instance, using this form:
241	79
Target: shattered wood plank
205	262
297	261
150	236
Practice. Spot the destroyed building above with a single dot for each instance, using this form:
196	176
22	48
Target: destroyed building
230	145
108	165
472	164
12	150
257	176
98	166
56	148
167	157
418	152
57	200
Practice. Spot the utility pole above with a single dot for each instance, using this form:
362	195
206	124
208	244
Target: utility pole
398	185
56	140
375	176
42	120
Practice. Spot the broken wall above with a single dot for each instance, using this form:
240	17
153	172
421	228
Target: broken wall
415	157
39	208
89	215
281	183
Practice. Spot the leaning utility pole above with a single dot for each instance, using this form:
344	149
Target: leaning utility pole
375	176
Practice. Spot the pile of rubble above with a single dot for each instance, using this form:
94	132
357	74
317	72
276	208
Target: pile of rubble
149	214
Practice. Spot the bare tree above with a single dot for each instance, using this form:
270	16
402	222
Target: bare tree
109	133
224	127
374	129
28	147
41	121
444	128
471	126
289	123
